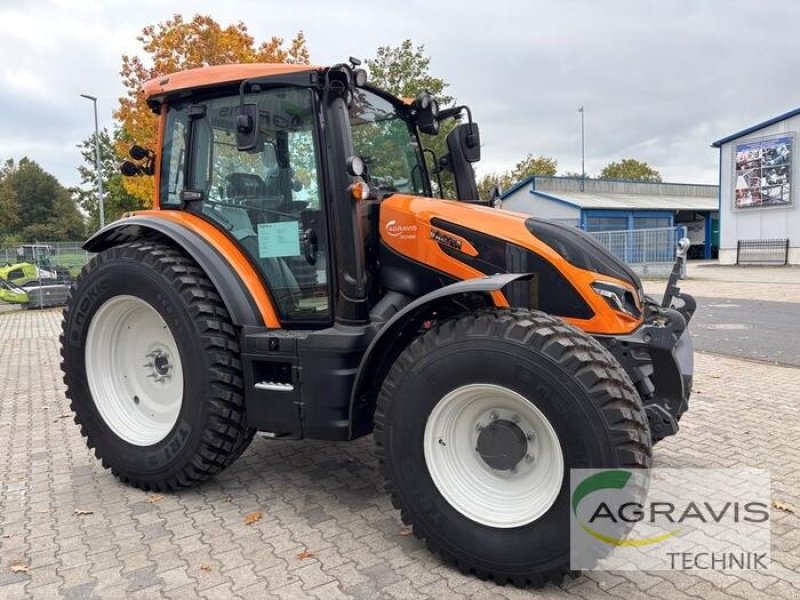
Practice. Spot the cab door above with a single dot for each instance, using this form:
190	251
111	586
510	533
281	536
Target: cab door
269	199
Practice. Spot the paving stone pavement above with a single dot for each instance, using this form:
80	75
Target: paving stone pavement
324	500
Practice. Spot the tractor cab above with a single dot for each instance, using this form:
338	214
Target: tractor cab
290	163
37	254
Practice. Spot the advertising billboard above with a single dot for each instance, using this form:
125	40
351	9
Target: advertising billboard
763	173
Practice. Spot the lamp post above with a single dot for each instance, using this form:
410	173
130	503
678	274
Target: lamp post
583	151
97	161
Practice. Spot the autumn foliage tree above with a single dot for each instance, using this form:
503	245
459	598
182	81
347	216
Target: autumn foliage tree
176	45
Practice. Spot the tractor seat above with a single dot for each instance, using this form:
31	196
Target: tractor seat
241	186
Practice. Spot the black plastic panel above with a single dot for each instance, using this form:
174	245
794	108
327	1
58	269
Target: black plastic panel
401	274
321	367
547	291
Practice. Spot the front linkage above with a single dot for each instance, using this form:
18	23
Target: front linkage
659	356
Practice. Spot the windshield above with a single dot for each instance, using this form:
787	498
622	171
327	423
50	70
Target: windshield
388	144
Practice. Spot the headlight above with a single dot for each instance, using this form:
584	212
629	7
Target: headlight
619	298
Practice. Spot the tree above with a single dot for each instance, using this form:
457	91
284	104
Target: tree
117	199
630	169
9	205
534	165
175	45
489	181
527	167
405	72
45	209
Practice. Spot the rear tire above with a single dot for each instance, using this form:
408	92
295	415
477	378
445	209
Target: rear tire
524	371
152	368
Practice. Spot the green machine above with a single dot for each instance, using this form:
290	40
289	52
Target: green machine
34	281
12	293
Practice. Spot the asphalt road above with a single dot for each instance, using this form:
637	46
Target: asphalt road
754	329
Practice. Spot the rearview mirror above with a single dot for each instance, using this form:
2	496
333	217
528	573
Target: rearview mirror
246	123
469	138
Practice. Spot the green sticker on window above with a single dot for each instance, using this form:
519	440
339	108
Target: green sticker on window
279	239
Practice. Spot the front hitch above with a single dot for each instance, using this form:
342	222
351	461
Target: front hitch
658	356
686	303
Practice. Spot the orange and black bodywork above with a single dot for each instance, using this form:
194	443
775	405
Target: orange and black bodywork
398	262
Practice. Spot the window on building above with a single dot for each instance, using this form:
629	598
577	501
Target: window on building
606	223
651	222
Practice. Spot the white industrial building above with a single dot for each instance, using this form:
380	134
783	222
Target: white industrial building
759	218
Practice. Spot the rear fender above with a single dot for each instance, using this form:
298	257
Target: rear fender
398	332
231	288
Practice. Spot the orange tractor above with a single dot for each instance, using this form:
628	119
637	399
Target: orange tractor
297	277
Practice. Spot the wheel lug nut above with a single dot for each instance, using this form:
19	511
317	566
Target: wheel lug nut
530	436
528	458
493	415
515	418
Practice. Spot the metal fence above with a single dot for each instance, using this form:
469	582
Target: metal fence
69	255
38	274
649	252
762	252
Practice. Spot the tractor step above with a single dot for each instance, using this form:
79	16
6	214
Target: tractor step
274	386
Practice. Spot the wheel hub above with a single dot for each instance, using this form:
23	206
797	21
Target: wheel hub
159	365
493	455
502	445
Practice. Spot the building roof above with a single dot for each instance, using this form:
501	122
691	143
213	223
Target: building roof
621	195
218	74
631	201
754	128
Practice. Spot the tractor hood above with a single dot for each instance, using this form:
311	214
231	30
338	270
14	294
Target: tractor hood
576	277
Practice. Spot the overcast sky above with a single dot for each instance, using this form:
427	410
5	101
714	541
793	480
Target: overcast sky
660	80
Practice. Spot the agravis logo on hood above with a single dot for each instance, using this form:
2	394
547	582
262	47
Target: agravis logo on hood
404	232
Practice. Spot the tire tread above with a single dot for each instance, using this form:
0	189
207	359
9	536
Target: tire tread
226	433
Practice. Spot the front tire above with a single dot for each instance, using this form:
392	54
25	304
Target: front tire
152	369
478	424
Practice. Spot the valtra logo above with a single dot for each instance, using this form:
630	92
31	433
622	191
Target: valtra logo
399	230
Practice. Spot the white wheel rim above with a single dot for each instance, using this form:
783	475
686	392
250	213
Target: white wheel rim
134	370
492	497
